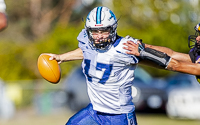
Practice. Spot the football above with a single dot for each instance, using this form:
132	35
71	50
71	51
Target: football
49	69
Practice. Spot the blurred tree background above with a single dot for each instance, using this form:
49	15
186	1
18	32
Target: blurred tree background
51	26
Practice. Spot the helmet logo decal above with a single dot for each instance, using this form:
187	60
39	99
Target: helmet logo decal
198	27
88	17
99	25
112	15
98	15
85	34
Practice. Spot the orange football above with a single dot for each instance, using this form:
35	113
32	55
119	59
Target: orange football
49	69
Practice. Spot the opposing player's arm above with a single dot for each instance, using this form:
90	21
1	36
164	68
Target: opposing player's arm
184	67
174	65
76	54
177	66
133	49
158	59
171	53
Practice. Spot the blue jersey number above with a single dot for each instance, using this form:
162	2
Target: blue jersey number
106	68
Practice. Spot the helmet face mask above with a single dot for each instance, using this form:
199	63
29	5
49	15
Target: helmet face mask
192	42
101	20
197	33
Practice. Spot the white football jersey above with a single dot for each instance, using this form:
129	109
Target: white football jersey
109	75
2	6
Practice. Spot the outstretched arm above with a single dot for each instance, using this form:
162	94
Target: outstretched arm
162	62
69	56
171	53
133	49
184	67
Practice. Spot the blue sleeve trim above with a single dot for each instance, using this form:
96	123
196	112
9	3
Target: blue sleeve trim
117	41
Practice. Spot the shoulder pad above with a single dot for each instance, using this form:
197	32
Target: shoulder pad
82	37
120	46
129	38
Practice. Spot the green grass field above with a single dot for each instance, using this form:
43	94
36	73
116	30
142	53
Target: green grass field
30	117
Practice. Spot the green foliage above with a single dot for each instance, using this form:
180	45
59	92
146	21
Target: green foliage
13	65
19	61
139	19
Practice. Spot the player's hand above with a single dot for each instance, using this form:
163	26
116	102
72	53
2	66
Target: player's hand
55	56
198	38
132	48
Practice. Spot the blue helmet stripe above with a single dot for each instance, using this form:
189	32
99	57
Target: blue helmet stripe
98	16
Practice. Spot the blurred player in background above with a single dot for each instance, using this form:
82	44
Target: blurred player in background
7	108
109	70
3	18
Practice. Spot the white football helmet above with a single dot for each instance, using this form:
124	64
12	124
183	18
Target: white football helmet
101	18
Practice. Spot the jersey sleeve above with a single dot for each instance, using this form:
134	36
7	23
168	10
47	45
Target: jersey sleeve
119	48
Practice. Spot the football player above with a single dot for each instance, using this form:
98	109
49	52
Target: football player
109	69
194	44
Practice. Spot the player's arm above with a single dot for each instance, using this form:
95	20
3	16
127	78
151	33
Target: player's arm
76	54
168	51
155	58
171	53
161	60
184	67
